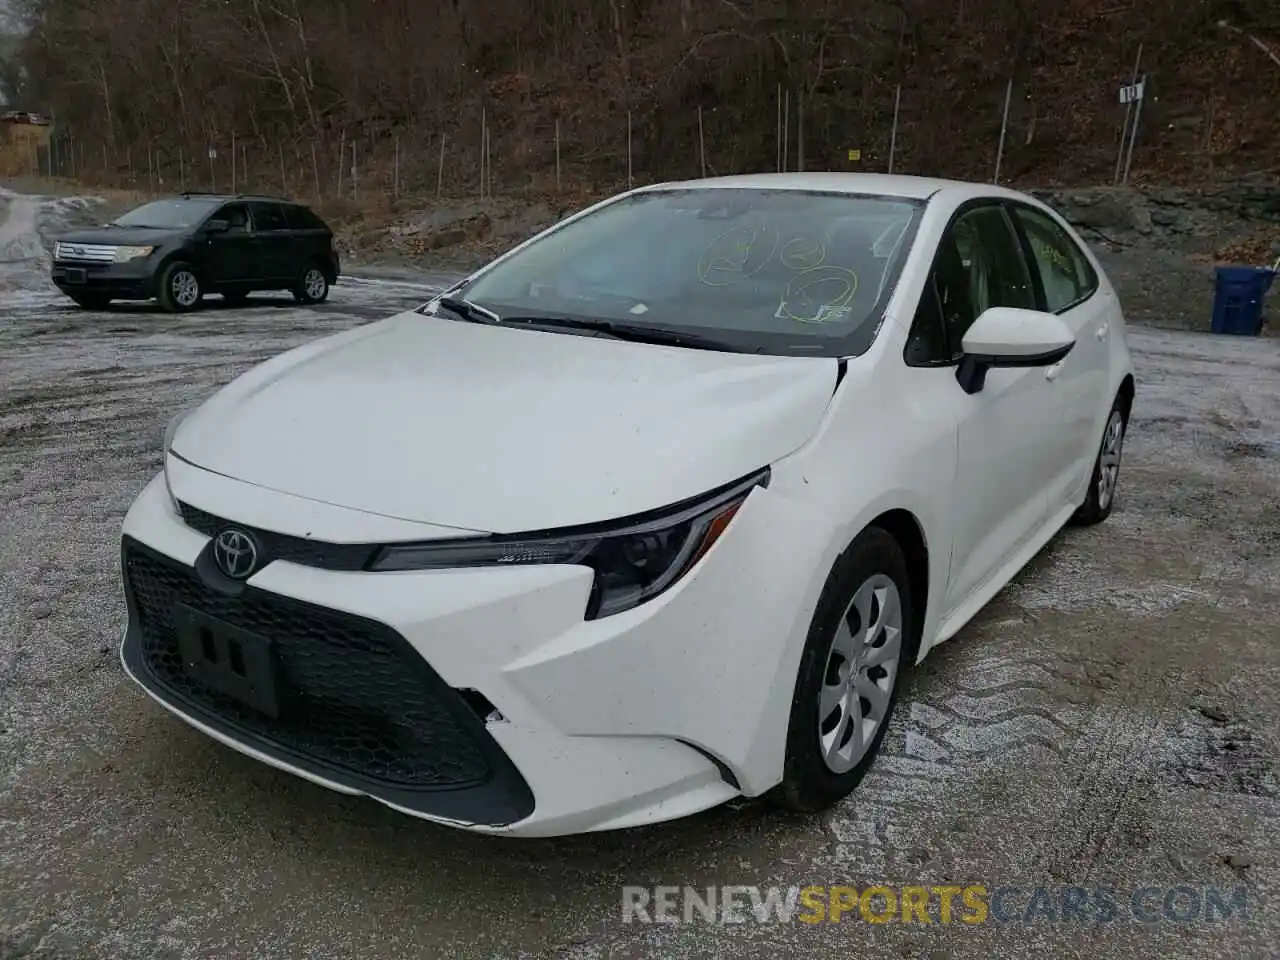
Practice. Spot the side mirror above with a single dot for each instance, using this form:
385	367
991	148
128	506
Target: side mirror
1011	337
218	226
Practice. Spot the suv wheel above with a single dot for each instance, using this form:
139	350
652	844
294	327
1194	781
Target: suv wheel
312	285
180	289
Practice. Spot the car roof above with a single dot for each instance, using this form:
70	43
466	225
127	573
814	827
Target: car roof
879	184
228	197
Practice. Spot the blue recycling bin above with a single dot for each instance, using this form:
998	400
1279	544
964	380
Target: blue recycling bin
1237	301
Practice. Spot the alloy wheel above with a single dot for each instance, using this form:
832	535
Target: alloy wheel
185	288
314	284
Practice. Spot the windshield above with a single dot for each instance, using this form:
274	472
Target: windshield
773	271
168	214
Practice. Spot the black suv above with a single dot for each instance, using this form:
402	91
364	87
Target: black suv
179	249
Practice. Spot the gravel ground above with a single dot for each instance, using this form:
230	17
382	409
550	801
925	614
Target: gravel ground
1111	719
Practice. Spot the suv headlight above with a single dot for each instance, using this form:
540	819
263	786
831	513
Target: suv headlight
125	254
633	560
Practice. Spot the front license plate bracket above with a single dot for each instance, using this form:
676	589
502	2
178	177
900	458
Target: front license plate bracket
236	663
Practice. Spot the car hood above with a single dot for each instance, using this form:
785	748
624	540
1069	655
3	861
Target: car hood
503	430
118	236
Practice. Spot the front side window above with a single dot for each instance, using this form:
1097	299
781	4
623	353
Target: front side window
168	214
1065	273
775	271
978	265
236	216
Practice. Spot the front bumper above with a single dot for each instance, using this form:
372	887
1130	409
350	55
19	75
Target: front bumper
652	714
133	280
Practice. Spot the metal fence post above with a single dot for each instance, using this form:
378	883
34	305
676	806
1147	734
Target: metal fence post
1004	126
893	137
440	171
786	130
1133	134
778	131
1128	113
702	143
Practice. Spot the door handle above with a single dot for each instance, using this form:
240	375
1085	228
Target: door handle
1102	332
1051	373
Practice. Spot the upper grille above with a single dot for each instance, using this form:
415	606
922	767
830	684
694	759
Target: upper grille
84	252
280	546
355	695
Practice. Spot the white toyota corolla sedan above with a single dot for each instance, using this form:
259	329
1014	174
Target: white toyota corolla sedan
649	513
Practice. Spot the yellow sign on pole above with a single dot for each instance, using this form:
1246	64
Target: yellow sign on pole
855	155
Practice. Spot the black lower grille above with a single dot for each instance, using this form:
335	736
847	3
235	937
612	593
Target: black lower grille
280	546
355	696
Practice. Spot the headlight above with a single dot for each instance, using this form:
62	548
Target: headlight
634	560
125	254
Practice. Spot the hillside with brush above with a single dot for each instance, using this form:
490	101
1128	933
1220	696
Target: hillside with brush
301	91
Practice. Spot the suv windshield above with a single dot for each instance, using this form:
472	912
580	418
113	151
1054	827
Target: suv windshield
774	271
168	214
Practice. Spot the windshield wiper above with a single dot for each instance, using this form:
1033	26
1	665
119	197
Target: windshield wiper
627	331
466	310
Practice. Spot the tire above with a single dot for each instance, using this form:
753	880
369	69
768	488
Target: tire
312	285
873	566
179	288
1106	470
90	301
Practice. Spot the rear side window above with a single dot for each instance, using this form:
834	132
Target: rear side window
301	218
267	216
1065	272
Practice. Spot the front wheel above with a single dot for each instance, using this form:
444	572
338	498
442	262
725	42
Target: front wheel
1106	471
180	289
860	640
312	285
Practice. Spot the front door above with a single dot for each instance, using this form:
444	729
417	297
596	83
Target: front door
231	257
1009	433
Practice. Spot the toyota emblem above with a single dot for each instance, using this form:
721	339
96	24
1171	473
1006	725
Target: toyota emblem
235	553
